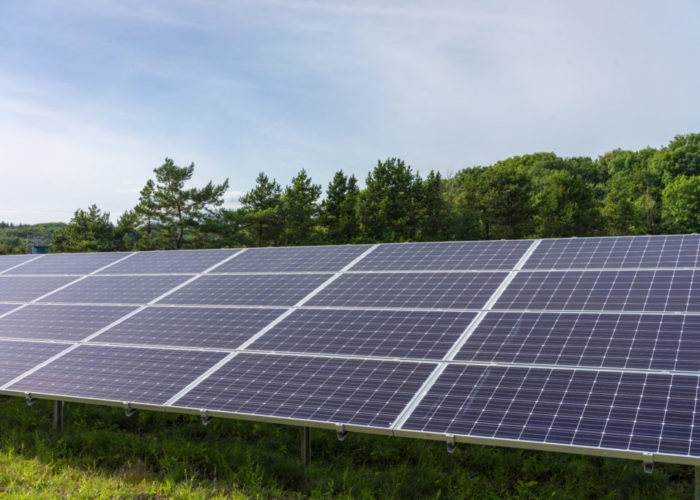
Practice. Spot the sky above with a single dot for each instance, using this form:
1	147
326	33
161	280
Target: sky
94	94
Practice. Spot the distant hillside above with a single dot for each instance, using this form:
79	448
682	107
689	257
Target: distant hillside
18	238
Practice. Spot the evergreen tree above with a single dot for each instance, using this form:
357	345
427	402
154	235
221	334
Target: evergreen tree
88	231
262	211
300	205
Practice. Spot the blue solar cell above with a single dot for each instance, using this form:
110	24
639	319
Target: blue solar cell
649	341
48	322
293	259
28	288
445	256
413	334
248	290
116	289
191	327
5	308
18	357
171	261
347	391
7	262
124	374
626	411
69	263
624	252
410	290
643	291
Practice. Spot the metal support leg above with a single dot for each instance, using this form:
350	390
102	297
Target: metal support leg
58	415
697	483
305	446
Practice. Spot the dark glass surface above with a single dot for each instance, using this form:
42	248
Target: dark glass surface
49	322
444	256
410	290
9	261
18	357
170	261
424	334
293	259
653	291
69	263
117	289
122	374
348	391
191	327
28	288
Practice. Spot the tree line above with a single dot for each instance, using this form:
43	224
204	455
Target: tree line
538	195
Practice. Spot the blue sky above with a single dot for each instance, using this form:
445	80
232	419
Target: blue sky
94	93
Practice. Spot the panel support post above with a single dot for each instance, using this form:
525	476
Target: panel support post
696	495
305	446
58	415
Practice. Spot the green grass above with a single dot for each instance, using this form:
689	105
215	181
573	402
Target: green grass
101	453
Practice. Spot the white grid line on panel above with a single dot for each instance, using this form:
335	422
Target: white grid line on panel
449	356
22	263
268	327
111	325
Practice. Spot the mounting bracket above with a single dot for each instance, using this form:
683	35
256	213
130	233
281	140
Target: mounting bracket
648	462
128	410
206	418
451	443
341	432
29	398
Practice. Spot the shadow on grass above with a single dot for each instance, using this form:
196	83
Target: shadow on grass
262	460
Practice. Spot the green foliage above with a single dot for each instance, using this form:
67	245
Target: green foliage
88	231
300	211
19	238
680	157
262	211
681	205
339	211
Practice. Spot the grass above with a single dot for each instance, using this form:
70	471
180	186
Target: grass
101	453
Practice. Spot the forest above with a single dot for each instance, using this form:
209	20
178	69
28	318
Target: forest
539	195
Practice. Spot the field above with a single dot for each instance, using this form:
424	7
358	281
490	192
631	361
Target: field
101	453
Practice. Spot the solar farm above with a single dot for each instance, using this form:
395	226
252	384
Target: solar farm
580	345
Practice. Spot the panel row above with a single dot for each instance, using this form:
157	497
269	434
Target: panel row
638	412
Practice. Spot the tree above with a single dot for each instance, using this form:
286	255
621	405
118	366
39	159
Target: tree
435	214
566	207
262	211
176	209
680	157
339	209
389	209
681	205
301	210
88	231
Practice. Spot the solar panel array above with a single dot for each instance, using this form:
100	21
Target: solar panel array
584	344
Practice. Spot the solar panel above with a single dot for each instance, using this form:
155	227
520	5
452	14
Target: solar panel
400	334
598	409
247	290
123	374
26	288
190	327
66	263
293	259
18	357
653	291
443	256
635	341
49	322
410	290
116	289
5	308
168	261
352	391
624	252
7	262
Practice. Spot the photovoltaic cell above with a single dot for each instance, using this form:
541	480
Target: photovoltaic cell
293	259
634	341
68	263
191	327
48	322
652	291
123	374
247	290
422	335
18	357
5	308
443	256
9	261
625	411
410	290
348	391
170	261
26	289
625	252
117	289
